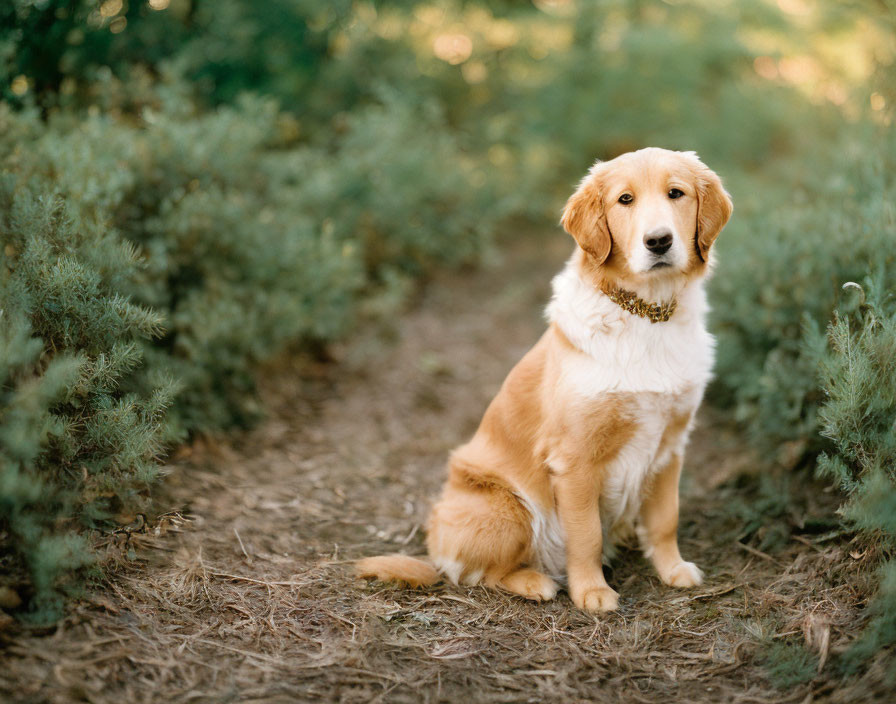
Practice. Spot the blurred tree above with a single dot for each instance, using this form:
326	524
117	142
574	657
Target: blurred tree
55	48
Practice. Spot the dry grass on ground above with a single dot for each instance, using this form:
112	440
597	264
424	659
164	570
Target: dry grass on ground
246	593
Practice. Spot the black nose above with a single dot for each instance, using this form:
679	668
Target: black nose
658	241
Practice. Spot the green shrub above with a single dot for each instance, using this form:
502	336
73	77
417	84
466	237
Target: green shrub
400	185
793	242
250	244
789	664
858	375
803	393
76	441
214	223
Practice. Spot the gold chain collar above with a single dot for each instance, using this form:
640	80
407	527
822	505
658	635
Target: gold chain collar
654	312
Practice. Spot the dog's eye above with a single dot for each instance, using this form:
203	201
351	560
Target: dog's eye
675	193
626	198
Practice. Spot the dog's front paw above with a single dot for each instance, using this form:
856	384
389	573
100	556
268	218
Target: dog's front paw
684	574
596	599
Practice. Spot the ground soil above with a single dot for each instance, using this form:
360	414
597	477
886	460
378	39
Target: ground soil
245	590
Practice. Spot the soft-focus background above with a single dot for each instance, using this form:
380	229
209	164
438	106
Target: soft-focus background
190	187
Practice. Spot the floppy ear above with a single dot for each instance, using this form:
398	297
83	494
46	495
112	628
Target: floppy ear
583	218
714	208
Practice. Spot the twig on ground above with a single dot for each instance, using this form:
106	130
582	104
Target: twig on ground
758	553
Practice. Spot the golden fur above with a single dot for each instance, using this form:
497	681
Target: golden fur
572	452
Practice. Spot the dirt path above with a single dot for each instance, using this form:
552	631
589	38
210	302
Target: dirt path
253	599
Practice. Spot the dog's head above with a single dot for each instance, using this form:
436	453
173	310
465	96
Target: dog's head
649	214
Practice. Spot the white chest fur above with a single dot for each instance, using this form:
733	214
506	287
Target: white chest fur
625	353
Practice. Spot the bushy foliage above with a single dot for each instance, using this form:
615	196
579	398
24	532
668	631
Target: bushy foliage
251	243
76	440
66	50
60	50
246	242
789	664
858	375
801	393
406	191
667	77
803	236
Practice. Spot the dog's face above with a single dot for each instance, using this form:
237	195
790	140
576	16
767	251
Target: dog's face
650	213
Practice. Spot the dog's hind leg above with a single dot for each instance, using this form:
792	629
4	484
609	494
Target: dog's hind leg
480	533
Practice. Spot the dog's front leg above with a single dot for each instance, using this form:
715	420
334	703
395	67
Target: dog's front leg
659	528
577	494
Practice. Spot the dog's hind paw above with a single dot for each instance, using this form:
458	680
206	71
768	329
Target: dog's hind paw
530	584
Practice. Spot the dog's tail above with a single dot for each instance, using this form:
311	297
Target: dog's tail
398	568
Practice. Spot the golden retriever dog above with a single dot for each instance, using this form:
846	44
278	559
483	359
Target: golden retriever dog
583	444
